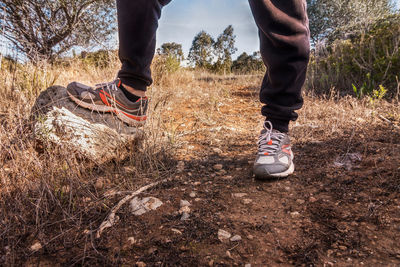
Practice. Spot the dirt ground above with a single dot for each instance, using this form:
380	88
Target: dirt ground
340	208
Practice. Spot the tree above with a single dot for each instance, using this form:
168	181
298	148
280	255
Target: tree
201	52
330	19
43	29
248	63
224	48
172	50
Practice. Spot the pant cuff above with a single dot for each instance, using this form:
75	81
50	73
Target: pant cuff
134	83
280	125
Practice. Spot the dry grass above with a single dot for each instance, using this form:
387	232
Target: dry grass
51	196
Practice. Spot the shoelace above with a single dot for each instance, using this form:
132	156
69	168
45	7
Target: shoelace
269	142
110	86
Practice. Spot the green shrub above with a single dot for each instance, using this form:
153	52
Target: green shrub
360	64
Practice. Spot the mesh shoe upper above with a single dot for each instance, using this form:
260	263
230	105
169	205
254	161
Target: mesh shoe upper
274	157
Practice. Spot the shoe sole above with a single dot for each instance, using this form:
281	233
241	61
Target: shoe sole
103	108
267	176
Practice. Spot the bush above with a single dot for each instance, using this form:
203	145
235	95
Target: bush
362	63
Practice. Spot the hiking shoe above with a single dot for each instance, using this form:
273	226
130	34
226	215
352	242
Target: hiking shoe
108	97
275	156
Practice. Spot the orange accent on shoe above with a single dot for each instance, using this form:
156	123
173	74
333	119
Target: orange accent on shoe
270	143
119	83
104	99
266	154
135	117
112	98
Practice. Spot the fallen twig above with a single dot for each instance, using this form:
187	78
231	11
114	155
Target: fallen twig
388	121
112	219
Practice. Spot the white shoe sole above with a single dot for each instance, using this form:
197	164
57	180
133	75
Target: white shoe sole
284	174
120	114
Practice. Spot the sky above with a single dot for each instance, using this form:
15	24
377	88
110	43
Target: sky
181	20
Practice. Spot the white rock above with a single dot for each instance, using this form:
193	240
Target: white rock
185	203
132	240
218	167
176	231
36	247
248	265
192	194
223	235
236	238
142	206
247	201
184	209
295	214
185	216
96	136
239	195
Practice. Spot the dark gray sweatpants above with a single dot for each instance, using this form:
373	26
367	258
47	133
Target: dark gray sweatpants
284	41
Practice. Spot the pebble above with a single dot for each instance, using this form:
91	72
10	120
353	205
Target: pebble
217	150
239	195
36	247
218	167
227	177
197	199
313	199
185	203
197	183
185	216
180	166
140	207
300	201
99	183
140	264
176	231
132	240
343	248
184	209
250	237
247	201
287	188
295	214
223	235
192	194
247	265
236	238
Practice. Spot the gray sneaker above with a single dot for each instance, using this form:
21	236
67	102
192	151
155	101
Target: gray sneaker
108	97
275	156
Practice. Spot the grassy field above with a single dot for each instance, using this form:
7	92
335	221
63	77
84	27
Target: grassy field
342	206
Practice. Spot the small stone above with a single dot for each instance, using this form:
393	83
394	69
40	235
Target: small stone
99	183
223	235
217	150
176	231
197	199
86	232
218	167
180	166
343	248
185	216
247	265
222	172
197	183
300	201
330	263
236	238
140	264
192	194
239	195
313	199
132	240
247	201
295	214
140	207
36	247
250	237
287	188
184	209
128	169
185	203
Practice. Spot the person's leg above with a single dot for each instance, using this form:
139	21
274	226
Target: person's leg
137	25
285	48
